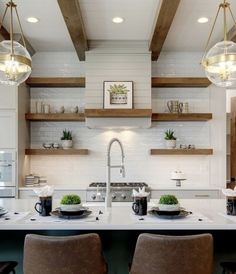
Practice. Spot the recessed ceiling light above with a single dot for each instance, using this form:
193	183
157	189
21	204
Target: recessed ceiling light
117	20
203	20
32	20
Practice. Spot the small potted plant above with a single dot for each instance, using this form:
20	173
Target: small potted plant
118	94
70	202
168	203
170	139
66	139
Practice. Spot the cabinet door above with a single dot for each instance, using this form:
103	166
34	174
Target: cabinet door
8	96
187	194
7	129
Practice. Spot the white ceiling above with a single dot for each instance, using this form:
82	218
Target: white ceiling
138	18
51	34
186	34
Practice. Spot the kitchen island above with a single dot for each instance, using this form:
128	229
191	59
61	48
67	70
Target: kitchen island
206	215
118	229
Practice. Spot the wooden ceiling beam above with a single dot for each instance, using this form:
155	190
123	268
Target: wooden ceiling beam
164	20
73	18
231	35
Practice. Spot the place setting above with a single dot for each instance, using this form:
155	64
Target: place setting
69	209
168	209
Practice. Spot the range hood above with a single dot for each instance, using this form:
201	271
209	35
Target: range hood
118	118
118	61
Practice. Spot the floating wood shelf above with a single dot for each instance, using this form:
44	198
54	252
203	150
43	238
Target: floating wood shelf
181	116
117	113
56	151
203	151
55	117
60	82
177	82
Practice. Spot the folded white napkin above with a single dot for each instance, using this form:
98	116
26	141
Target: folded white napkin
229	192
140	193
45	191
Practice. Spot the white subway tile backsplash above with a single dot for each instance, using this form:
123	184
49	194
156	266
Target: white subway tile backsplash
140	166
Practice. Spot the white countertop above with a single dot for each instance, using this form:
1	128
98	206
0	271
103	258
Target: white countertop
211	212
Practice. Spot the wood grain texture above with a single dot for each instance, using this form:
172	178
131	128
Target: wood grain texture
73	18
56	82
181	116
177	82
56	152
118	113
233	138
55	117
4	34
181	151
231	35
164	20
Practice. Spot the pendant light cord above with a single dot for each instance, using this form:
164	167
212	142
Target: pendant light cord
11	27
209	38
21	30
4	15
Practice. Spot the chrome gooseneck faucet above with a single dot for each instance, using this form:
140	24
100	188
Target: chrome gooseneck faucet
108	199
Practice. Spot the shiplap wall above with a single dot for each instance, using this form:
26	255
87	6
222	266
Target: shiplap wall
114	62
201	171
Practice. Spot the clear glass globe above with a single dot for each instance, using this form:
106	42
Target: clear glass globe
220	64
16	68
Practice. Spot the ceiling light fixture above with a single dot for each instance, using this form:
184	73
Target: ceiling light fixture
203	20
117	20
15	61
32	20
220	61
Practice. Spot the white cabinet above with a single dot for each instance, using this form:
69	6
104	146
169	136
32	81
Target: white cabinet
7	129
8	97
25	193
187	193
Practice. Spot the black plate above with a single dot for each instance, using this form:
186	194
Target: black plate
72	213
169	214
3	212
57	213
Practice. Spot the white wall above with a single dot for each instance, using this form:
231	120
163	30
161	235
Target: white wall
155	170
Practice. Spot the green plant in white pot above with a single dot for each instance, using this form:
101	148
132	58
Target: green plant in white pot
168	203
67	139
70	202
118	94
170	139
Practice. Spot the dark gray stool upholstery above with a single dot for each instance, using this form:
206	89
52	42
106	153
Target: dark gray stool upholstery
228	267
7	267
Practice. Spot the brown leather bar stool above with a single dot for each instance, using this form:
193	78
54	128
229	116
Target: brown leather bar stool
228	267
173	254
80	254
8	267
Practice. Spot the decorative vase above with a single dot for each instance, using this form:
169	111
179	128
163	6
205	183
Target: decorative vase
66	144
118	98
170	144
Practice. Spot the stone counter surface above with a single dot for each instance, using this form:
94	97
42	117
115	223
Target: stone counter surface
208	214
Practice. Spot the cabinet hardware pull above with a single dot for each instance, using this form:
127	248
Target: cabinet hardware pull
202	195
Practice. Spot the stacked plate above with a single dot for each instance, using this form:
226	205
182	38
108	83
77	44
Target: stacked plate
31	180
3	211
82	212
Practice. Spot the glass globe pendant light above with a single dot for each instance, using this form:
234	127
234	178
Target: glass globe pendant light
220	61
15	61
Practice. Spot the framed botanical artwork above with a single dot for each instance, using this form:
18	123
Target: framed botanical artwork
118	94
